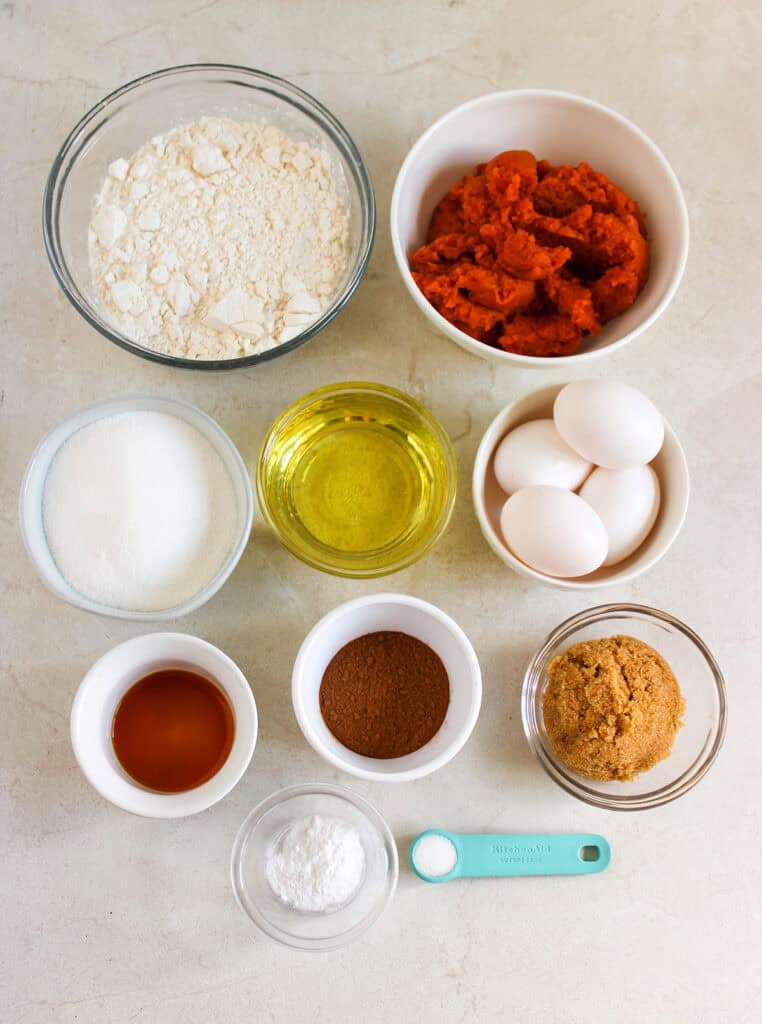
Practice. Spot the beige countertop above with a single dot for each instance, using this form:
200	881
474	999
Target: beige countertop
108	917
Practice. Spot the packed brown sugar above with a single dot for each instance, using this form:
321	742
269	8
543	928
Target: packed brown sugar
612	708
531	258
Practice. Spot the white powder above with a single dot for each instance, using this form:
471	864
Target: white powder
217	240
435	855
317	865
139	511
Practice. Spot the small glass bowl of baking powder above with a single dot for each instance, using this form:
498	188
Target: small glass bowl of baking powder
125	120
701	683
260	839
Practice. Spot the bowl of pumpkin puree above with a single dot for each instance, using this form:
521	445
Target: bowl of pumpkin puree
535	228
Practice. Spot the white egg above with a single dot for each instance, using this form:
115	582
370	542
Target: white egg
554	531
627	500
612	424
535	453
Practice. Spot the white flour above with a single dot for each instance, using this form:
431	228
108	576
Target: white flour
317	865
217	240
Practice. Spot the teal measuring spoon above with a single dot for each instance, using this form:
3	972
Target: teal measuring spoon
439	856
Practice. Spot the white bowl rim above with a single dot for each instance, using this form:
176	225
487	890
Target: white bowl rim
474	681
481	460
149	804
173	406
497	355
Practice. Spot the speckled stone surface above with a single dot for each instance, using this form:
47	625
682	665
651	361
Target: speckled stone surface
108	918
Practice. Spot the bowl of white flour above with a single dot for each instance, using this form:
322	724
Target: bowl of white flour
209	217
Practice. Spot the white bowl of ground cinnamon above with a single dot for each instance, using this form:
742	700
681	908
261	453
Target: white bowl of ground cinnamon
387	688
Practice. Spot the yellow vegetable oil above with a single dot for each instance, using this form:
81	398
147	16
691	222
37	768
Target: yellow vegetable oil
357	479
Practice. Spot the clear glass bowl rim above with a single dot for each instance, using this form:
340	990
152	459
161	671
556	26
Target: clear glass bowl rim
301	99
548	759
380	389
373	816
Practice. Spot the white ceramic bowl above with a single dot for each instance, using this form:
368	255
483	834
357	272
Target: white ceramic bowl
101	690
407	615
562	128
670	466
33	489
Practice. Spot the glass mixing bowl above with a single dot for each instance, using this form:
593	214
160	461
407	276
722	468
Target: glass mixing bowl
697	743
260	832
297	450
155	103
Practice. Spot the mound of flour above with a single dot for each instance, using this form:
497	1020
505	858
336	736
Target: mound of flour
217	240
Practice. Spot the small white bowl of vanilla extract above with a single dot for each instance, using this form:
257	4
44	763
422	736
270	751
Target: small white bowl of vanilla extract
164	725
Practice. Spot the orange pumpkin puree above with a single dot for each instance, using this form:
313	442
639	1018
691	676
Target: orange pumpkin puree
530	258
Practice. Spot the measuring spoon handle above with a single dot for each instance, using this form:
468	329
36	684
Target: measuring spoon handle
493	856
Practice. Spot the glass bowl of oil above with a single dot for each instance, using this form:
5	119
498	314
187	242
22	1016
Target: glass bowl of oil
357	479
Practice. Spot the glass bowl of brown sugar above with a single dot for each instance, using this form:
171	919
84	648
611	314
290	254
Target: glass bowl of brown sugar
696	742
415	691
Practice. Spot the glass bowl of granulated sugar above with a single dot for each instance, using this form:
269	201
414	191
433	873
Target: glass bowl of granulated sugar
209	216
137	508
314	866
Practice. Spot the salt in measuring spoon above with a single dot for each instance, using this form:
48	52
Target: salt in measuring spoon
439	856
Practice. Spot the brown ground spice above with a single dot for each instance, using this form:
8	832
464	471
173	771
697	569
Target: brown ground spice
384	694
612	707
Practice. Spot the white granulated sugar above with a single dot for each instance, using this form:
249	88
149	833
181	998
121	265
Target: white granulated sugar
218	240
139	511
435	855
317	865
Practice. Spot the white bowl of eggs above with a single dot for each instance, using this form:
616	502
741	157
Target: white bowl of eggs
581	485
